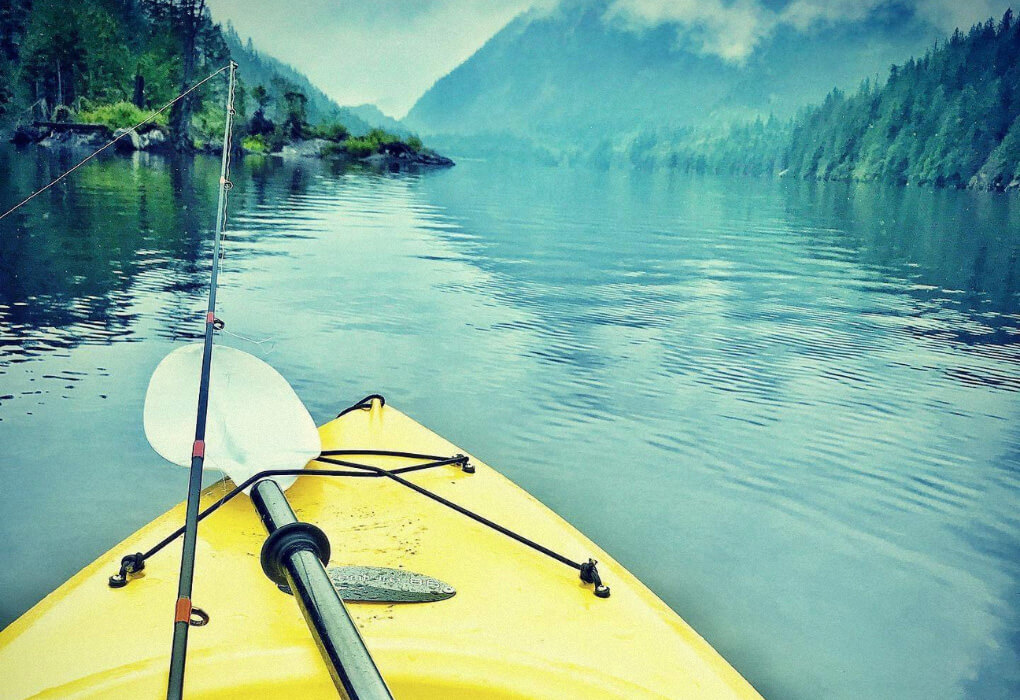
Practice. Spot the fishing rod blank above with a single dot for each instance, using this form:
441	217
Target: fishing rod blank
182	613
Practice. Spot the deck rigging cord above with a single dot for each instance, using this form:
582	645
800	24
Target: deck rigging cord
183	609
115	139
134	563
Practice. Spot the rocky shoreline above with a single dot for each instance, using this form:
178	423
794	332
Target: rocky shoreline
54	134
393	156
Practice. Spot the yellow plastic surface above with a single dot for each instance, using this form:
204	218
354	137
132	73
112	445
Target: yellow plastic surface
520	626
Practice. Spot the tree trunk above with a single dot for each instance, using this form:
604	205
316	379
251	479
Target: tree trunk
139	96
189	21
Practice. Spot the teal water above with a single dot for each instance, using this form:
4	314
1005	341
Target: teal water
790	408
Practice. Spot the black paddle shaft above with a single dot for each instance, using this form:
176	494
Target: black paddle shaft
294	554
182	613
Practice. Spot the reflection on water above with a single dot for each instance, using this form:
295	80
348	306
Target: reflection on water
790	408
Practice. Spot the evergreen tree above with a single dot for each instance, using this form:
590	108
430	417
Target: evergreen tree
949	118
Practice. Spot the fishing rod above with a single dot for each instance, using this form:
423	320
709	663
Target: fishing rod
295	553
183	609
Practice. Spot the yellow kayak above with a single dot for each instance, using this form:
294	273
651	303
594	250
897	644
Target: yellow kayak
517	625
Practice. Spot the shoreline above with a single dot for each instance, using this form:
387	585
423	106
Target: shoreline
393	156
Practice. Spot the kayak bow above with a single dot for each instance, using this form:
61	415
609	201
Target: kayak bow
519	624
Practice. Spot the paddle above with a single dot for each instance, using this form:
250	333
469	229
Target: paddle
255	422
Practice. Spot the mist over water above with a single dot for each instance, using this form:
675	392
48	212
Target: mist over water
789	408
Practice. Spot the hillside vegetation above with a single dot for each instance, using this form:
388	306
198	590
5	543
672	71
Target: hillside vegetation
113	62
569	77
951	118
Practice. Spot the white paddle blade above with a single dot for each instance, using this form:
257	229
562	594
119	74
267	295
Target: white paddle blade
255	420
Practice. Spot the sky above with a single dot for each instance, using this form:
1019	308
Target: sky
388	52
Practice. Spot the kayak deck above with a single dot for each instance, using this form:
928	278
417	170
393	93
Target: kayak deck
521	625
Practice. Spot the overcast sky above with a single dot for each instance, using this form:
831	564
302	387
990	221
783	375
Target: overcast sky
383	51
389	52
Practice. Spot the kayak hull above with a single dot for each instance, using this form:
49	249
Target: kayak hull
520	625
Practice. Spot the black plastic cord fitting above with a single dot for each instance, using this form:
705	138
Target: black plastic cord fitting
290	538
590	574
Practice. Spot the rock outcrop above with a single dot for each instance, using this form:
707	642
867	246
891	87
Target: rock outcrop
69	134
312	148
140	140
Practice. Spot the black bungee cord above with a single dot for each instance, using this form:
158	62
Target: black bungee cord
588	571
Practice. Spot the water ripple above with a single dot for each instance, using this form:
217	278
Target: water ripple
794	421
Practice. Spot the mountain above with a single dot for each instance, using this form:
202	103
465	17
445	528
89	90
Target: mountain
574	74
256	68
949	118
371	114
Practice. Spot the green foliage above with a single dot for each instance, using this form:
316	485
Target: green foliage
359	147
295	114
257	143
752	149
208	124
119	115
333	149
341	143
160	66
941	120
260	95
372	142
378	137
114	61
72	50
278	138
948	119
332	132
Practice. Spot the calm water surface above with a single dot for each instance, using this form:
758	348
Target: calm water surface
789	408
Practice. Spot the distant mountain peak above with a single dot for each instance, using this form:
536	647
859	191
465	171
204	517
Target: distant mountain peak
258	68
583	70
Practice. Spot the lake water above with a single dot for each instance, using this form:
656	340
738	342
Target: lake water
790	408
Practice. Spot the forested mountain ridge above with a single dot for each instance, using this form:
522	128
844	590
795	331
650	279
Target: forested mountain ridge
256	68
575	75
112	61
950	118
377	118
567	86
